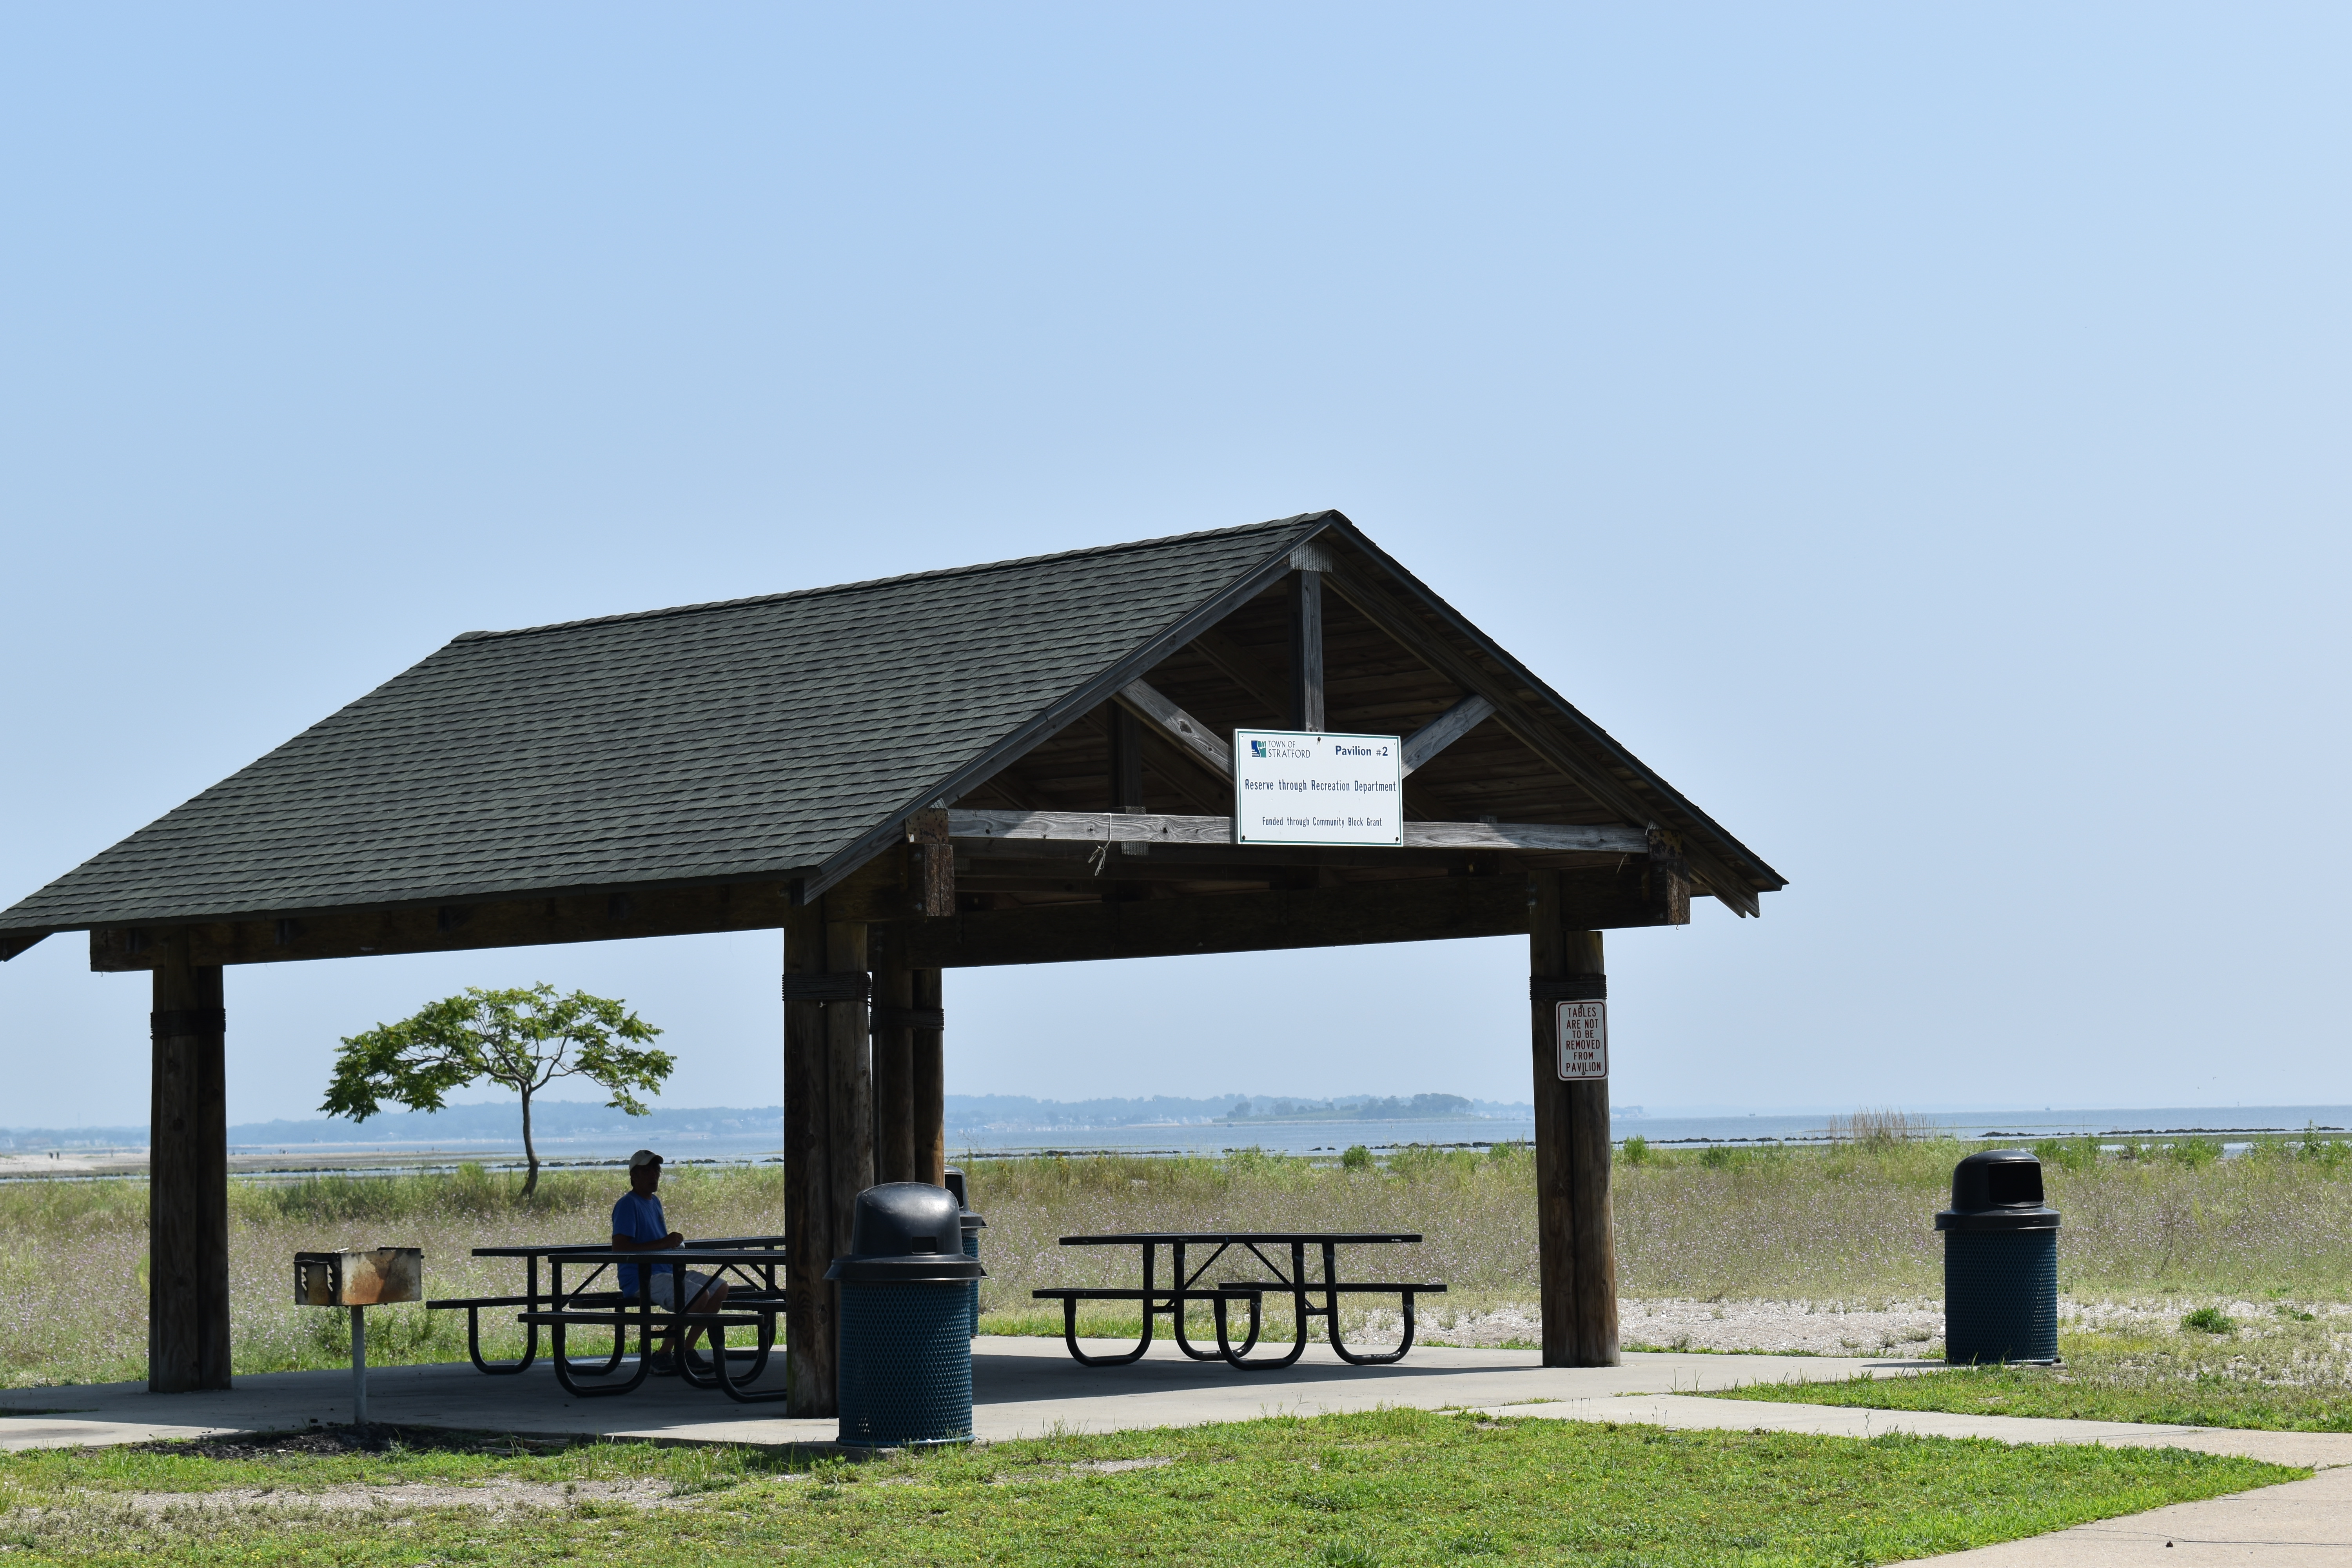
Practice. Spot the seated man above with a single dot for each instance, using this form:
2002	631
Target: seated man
638	1225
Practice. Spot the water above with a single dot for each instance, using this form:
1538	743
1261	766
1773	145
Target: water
746	1146
2023	1126
1273	1137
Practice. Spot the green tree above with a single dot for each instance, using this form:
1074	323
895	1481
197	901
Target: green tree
523	1039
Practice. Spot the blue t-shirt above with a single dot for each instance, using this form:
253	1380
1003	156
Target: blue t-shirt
639	1219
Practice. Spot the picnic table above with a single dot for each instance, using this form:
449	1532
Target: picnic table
755	1297
1293	1281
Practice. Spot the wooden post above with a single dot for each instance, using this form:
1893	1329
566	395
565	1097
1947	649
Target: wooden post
933	863
894	1067
849	1064
187	1177
1307	650
928	1075
1576	1236
1126	797
811	1329
1125	759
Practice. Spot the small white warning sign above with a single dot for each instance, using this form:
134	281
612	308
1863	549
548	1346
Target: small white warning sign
1583	1035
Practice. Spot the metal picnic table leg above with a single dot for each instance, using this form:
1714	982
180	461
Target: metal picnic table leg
530	1333
1070	1320
1175	1309
734	1387
1377	1358
564	1370
1237	1359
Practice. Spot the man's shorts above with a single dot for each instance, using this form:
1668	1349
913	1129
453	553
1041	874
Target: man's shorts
665	1292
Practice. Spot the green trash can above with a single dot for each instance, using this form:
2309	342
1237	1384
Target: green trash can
972	1226
2000	1263
905	1337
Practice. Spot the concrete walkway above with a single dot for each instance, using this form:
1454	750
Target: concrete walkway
1026	1387
2303	1524
1021	1388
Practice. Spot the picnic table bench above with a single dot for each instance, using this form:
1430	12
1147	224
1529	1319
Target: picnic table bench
755	1297
1186	1285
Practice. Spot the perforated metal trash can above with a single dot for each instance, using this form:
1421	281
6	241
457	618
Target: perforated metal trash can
2000	1262
906	1338
972	1226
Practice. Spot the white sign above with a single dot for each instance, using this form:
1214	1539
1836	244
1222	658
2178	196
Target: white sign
1292	787
1583	1034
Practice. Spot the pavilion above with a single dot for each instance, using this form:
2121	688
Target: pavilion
1028	762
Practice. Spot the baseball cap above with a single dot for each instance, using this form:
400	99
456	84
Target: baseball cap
644	1157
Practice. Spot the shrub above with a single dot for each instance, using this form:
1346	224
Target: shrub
2210	1320
1357	1158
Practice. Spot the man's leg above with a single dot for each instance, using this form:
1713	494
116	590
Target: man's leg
713	1297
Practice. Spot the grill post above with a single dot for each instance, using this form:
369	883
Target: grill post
359	1366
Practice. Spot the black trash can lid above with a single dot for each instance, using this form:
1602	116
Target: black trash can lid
906	1232
955	1180
1998	1189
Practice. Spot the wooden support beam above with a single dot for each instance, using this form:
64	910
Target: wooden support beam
894	1065
1599	838
16	941
931	863
1669	879
1198	741
1115	828
877	890
812	1326
1444	730
1306	648
1576	1237
980	857
849	1065
1127	753
1246	670
930	1080
187	1176
1347	915
1127	784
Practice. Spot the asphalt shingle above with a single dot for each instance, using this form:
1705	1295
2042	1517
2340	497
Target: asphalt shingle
738	738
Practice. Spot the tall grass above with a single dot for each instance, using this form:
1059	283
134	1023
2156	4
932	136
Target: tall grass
1852	1222
73	1260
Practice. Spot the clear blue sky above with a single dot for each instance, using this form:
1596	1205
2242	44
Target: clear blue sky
1918	432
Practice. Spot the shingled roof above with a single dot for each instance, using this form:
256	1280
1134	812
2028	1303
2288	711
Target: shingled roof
785	735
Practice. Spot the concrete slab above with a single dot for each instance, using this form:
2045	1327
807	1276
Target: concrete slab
1023	1388
2303	1525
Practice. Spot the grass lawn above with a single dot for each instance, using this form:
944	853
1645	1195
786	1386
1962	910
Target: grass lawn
1392	1487
2284	1374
